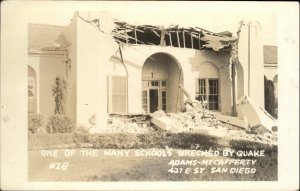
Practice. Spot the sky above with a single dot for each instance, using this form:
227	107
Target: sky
216	17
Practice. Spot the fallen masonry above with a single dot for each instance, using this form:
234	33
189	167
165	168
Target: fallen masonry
196	120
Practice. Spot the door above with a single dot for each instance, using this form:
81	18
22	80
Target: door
153	94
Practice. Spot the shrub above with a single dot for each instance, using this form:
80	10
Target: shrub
50	141
159	140
81	130
35	121
270	103
60	124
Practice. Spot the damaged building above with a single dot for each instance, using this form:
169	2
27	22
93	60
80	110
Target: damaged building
113	67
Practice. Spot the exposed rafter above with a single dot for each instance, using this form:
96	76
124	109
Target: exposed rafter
192	37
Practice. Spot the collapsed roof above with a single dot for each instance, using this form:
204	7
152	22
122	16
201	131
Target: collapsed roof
195	38
54	38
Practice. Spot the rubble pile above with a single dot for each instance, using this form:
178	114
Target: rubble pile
190	120
126	126
206	123
266	138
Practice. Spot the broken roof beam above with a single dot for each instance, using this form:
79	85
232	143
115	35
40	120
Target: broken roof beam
135	36
192	40
155	33
162	37
199	41
178	41
123	36
183	36
170	37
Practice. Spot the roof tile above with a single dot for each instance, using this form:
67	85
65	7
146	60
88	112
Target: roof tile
46	37
270	54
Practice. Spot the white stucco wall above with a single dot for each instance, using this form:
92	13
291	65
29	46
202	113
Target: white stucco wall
270	72
72	78
47	68
189	59
256	65
93	51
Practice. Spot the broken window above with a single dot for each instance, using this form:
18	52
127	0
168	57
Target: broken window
207	91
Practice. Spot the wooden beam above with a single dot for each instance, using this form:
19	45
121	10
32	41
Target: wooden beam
155	33
178	39
134	28
126	36
192	42
135	35
183	38
170	37
199	43
162	37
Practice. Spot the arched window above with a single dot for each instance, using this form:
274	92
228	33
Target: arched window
207	86
32	97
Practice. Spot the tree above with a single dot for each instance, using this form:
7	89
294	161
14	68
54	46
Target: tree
269	96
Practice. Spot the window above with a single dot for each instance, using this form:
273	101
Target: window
145	100
117	94
207	91
154	83
154	95
32	97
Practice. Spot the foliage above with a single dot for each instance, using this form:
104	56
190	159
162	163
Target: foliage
92	120
145	141
49	141
159	140
35	121
269	97
60	124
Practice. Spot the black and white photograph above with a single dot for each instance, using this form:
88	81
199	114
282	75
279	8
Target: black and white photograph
150	93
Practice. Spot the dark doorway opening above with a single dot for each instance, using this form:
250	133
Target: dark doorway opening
153	100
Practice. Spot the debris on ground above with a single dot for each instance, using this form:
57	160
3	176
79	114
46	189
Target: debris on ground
256	115
194	120
266	138
119	125
202	122
137	124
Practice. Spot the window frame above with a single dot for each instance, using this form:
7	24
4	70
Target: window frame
111	93
160	87
207	93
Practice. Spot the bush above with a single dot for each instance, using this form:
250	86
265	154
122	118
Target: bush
60	124
35	121
145	141
50	141
270	102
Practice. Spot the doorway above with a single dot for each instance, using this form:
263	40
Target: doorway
153	97
161	76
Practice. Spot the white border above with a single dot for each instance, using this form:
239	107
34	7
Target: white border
14	18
